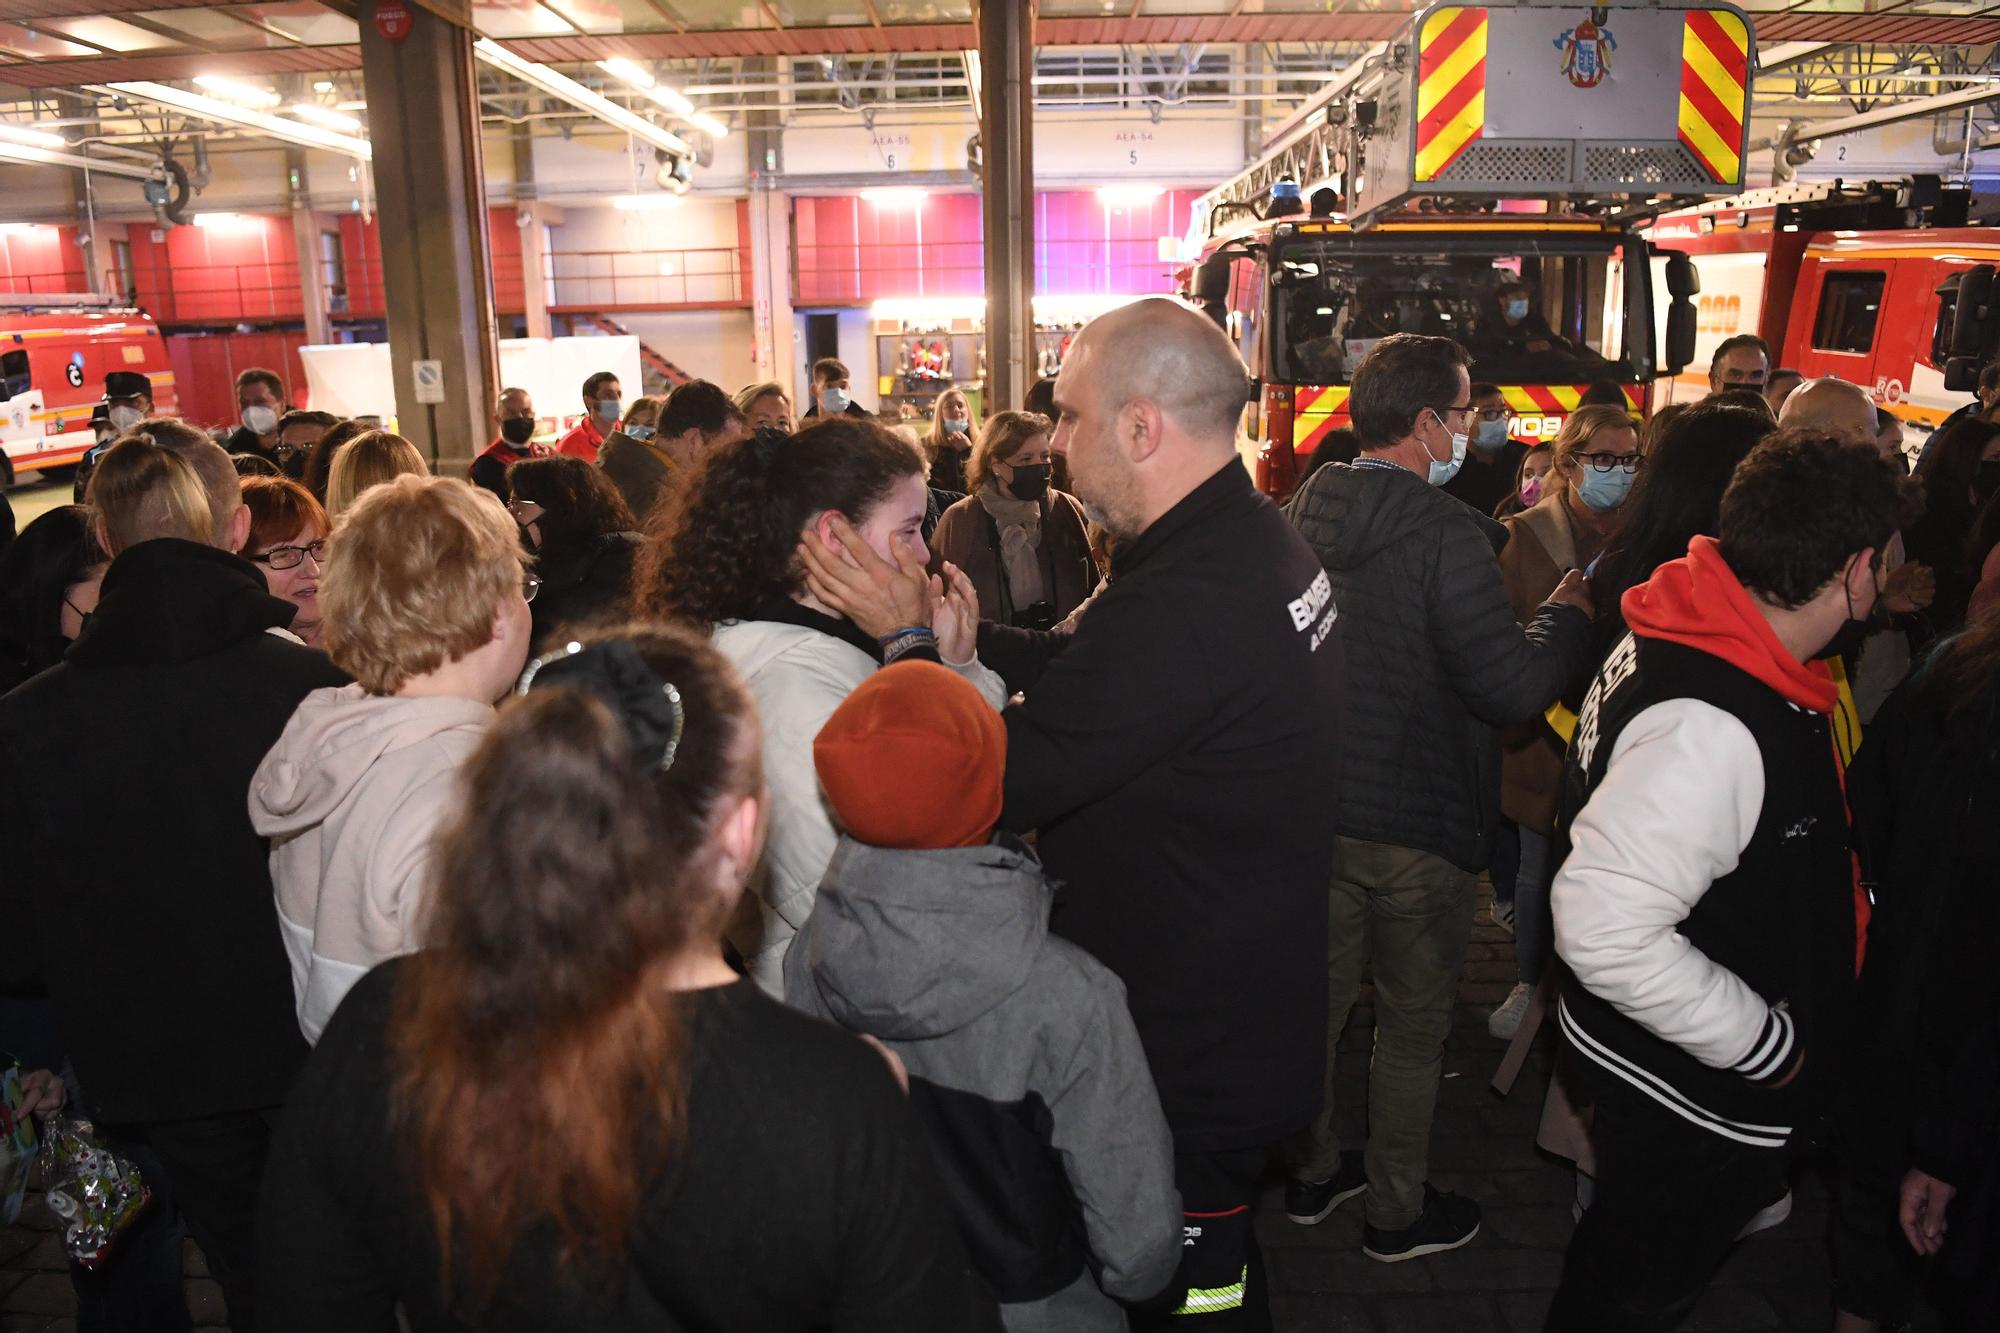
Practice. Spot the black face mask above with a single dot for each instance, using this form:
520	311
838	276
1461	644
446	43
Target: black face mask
517	431
1031	481
1847	640
1986	481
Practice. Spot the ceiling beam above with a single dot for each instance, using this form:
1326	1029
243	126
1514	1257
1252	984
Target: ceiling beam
1889	113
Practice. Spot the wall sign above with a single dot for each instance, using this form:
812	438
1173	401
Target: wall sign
393	20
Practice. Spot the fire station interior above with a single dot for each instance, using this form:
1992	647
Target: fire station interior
402	206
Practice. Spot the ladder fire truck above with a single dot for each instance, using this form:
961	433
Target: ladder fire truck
1857	280
1503	151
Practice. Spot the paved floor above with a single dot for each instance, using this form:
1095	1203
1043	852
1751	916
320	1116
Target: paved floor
1482	1147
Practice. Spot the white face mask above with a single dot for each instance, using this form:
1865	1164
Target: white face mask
124	418
1443	472
260	420
833	401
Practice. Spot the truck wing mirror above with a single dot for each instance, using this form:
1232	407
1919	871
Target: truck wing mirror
1680	335
1973	317
1961	374
1683	278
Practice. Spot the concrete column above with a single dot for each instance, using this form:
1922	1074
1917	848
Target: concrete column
430	187
1007	138
305	239
771	285
534	248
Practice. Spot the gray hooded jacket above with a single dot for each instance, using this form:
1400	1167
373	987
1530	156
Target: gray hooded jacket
1024	1066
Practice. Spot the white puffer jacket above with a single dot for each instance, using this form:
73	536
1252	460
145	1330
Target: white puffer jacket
797	676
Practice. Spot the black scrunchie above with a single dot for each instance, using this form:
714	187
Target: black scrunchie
648	707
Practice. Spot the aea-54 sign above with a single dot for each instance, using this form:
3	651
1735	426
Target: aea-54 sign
393	19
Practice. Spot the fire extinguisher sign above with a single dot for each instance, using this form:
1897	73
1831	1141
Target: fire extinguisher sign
393	19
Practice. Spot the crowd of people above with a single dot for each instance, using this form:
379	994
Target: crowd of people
736	869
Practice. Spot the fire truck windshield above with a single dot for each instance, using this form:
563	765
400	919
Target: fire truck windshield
1549	312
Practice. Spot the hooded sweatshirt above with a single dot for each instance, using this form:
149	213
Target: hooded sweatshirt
798	669
1024	1066
1705	903
136	889
351	798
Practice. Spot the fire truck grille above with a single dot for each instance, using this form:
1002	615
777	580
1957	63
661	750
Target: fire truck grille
1509	165
1608	166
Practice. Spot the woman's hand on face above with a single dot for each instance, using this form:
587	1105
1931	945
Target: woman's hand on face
955	617
852	580
958	441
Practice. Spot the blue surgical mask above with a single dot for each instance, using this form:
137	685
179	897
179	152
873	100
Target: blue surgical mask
833	401
957	425
1441	473
1517	310
1491	434
1604	491
640	433
608	409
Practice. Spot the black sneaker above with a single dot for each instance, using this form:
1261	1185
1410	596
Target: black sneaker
1447	1222
1308	1202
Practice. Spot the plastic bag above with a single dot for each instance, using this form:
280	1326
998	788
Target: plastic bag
99	1195
17	1144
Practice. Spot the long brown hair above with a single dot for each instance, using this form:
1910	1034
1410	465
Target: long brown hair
538	1055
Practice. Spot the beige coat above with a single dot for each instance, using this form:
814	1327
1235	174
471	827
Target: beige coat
1543	544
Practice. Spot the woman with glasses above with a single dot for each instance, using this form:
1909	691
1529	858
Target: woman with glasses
583	538
426	607
1596	458
287	542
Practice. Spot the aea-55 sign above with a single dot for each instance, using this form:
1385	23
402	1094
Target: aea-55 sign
393	20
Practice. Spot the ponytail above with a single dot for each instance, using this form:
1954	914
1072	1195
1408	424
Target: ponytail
539	1054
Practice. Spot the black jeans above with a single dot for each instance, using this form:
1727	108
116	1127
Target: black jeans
214	1166
1221	1284
1670	1199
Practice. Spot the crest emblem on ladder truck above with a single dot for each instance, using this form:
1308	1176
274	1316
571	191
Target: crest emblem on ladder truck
1586	49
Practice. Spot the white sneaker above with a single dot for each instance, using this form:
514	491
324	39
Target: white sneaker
1505	1021
1768	1216
1502	914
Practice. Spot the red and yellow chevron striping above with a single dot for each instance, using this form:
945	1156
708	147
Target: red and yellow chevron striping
1715	70
1319	409
1451	87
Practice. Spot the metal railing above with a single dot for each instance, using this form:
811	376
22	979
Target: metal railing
588	280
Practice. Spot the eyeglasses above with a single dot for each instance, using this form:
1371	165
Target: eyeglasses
291	557
287	452
1606	462
524	511
530	585
1496	414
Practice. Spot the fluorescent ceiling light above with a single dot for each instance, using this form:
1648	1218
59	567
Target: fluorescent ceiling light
12	152
19	228
222	113
1118	196
569	90
227	222
645	203
229	90
660	95
32	138
356	105
326	117
323	86
897	196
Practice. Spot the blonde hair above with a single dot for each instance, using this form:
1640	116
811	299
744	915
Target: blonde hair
747	398
935	440
656	403
366	461
142	490
1580	425
1002	438
415	572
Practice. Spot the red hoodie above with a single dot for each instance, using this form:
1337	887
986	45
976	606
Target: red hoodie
1698	602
